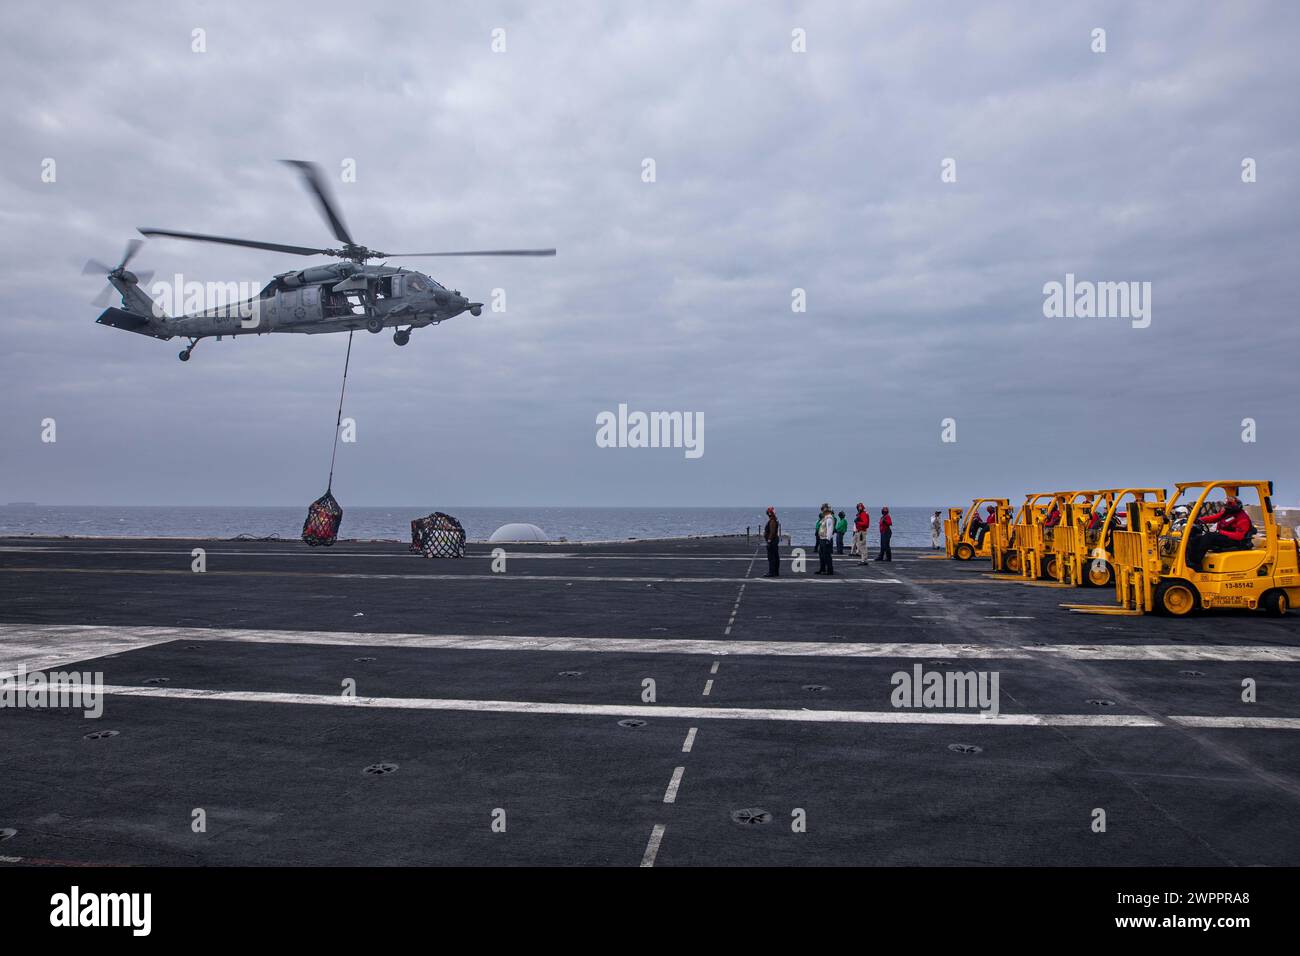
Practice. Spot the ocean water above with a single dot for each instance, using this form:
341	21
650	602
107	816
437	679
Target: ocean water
911	525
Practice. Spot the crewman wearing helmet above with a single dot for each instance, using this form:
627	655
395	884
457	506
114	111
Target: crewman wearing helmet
1233	532
772	535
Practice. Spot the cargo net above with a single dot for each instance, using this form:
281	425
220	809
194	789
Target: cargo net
323	519
438	536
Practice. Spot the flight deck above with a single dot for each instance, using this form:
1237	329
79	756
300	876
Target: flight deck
643	703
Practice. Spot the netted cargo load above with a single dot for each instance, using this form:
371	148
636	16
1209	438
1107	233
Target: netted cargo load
323	519
438	536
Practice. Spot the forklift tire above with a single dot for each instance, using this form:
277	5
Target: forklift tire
1176	598
1275	603
1099	575
1049	567
1012	562
964	552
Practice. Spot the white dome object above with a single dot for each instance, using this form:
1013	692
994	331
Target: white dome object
516	531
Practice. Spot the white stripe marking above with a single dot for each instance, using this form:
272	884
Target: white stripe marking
714	668
708	687
43	646
670	795
690	740
652	847
1233	723
969	719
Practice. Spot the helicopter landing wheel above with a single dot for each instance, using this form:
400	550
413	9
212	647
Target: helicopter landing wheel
375	325
184	355
401	338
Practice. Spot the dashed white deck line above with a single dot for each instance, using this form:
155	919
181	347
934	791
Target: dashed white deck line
652	712
708	687
690	740
652	847
51	645
714	668
359	576
1008	617
1235	723
670	795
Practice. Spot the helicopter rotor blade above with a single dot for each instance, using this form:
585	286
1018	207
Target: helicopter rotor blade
479	252
142	278
104	298
315	180
95	267
246	243
132	247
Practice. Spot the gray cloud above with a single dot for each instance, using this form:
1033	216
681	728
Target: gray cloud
775	171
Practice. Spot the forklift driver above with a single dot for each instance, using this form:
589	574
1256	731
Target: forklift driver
980	526
1233	533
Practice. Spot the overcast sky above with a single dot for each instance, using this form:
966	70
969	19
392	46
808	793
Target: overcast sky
775	170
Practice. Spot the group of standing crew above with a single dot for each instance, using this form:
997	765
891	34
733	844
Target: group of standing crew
829	532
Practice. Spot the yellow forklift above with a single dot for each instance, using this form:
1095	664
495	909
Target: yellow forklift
960	537
1093	560
1061	536
1019	538
1151	563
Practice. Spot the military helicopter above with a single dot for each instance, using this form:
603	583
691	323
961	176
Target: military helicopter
341	296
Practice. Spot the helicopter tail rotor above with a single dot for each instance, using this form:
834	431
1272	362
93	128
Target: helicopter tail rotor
119	274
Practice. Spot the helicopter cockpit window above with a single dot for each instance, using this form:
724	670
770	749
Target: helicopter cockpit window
416	284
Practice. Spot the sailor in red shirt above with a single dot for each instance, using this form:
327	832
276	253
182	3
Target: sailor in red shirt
980	526
886	526
861	525
1233	534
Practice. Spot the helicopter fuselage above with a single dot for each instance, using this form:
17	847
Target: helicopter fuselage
330	298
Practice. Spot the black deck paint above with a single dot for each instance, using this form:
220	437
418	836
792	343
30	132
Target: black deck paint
283	783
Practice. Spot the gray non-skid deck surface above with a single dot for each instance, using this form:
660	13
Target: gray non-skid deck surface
504	691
